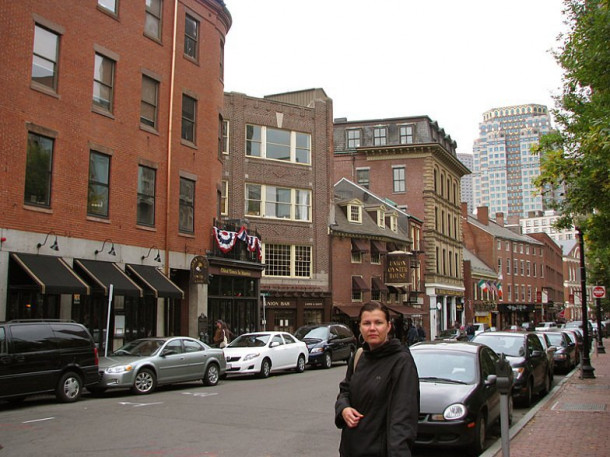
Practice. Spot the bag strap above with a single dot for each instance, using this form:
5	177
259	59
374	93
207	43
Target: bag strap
357	357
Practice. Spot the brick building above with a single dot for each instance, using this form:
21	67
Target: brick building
374	257
111	177
277	181
413	162
480	302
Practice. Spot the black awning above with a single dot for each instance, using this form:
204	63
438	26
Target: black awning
402	309
397	289
103	274
349	310
152	279
51	274
379	246
379	285
359	284
360	245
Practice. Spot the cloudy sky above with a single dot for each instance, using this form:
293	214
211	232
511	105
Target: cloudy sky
448	59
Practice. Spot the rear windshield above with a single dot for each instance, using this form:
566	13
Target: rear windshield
71	336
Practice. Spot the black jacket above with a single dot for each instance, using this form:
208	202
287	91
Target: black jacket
385	389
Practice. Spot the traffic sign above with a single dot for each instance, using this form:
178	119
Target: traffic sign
599	291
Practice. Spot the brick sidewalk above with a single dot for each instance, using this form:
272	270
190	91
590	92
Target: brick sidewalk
574	420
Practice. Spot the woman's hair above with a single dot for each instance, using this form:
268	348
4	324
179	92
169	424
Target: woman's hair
372	306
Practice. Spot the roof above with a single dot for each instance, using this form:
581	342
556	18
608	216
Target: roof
477	265
498	231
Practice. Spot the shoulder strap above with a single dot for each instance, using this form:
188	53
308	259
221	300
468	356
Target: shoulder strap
357	357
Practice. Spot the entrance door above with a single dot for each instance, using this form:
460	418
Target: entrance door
285	320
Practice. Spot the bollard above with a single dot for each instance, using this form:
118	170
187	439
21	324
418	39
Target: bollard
504	383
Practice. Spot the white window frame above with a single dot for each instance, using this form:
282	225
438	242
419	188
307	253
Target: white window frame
292	261
406	134
354	141
293	145
263	202
350	213
397	180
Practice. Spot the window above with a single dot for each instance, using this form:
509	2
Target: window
516	267
353	139
287	260
152	24
499	244
222	60
508	266
186	222
278	202
224	199
148	105
189	118
406	134
399	179
356	291
225	136
191	37
146	195
499	264
380	136
356	256
277	144
522	268
99	185
528	267
381	218
393	222
110	5
45	56
362	177
354	213
103	82
38	170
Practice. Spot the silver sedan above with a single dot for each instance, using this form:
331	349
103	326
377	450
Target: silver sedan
146	363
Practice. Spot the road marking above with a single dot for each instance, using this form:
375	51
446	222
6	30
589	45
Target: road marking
198	394
137	405
39	420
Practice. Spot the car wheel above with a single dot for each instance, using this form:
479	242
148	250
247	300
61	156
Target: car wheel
265	368
212	375
328	360
69	387
480	434
527	399
547	385
300	364
145	382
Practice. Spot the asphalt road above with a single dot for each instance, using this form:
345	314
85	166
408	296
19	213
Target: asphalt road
283	416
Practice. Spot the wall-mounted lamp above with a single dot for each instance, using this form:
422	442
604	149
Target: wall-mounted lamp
53	246
111	251
157	257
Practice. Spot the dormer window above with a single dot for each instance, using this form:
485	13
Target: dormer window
354	213
394	222
381	218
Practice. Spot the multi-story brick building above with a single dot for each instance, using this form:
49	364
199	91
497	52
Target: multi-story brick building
111	176
374	257
277	181
413	162
480	298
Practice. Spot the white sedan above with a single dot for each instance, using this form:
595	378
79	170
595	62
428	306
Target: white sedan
264	352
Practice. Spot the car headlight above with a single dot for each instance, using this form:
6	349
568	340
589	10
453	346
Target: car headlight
455	411
561	356
316	350
517	372
119	369
252	356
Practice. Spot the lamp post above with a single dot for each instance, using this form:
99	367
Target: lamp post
600	336
586	370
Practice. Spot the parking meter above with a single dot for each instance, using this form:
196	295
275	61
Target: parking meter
504	383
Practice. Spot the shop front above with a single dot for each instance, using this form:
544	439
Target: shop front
287	312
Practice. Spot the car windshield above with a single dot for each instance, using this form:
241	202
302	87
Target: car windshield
447	333
318	333
445	366
250	341
139	348
555	338
503	344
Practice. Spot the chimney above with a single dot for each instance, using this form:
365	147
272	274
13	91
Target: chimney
465	210
500	219
483	215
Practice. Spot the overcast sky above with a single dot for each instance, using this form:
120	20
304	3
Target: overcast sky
451	60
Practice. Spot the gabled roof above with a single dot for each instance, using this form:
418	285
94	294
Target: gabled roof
477	266
498	231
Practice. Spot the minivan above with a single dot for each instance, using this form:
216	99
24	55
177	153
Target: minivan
327	343
43	356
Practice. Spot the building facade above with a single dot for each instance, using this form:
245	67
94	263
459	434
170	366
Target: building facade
466	181
413	162
277	180
504	165
543	222
109	133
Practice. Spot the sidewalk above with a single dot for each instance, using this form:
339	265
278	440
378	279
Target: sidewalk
573	419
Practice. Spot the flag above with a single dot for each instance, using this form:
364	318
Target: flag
483	285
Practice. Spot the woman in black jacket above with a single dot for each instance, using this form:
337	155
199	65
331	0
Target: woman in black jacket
378	402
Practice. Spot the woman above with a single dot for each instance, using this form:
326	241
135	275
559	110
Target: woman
221	334
378	402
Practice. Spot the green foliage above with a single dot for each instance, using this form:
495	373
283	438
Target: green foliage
577	156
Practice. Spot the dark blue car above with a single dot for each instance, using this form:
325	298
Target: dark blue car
327	343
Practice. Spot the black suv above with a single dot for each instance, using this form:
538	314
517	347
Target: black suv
327	343
46	356
528	359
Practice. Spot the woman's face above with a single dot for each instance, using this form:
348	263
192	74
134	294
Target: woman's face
374	327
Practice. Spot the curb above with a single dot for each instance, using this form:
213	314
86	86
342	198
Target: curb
496	447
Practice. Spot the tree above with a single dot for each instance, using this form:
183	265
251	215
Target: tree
576	157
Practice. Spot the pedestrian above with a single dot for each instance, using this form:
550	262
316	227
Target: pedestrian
421	333
221	334
378	403
412	336
470	331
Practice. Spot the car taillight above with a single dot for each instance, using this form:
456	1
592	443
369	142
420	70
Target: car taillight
95	356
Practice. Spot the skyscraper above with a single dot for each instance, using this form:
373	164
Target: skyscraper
504	165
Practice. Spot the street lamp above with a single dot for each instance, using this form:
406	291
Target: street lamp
586	370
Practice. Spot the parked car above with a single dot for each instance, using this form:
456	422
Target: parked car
565	355
577	339
527	358
146	363
327	343
550	350
262	353
541	326
452	334
46	356
480	327
459	399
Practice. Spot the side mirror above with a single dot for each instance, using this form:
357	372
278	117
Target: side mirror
491	380
167	352
537	353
